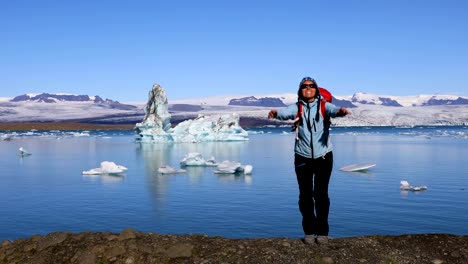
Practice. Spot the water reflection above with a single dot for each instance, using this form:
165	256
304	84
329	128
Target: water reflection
238	177
105	178
155	155
405	193
361	173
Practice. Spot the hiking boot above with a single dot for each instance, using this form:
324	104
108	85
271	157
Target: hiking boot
322	239
309	239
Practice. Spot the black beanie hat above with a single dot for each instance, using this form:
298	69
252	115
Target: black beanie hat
299	95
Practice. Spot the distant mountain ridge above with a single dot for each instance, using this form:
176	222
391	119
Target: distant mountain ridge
367	109
54	98
359	99
253	101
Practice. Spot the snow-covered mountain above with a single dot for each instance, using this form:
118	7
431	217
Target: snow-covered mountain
253	101
54	98
47	107
367	109
346	101
419	100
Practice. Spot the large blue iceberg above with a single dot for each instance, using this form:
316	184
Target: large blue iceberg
156	125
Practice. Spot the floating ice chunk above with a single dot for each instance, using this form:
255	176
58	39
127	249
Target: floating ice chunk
210	128
357	167
107	167
405	186
230	167
248	169
165	169
23	152
193	159
196	159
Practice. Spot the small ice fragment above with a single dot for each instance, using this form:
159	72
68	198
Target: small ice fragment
248	169
165	169
107	167
23	152
404	185
357	167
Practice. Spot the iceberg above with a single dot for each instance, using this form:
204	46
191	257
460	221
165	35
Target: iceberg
107	167
405	186
231	167
156	125
196	159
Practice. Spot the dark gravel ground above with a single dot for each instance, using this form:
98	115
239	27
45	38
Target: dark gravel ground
131	246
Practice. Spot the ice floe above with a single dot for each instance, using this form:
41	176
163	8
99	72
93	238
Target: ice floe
107	167
357	167
405	186
230	167
196	159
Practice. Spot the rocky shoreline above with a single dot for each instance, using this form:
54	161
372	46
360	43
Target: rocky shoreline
131	246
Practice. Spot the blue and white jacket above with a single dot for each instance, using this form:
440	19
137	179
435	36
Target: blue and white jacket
313	137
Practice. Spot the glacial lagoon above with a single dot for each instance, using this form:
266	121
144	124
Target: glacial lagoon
46	191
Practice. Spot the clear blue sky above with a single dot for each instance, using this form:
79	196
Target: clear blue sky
118	49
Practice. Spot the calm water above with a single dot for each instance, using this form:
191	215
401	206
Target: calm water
46	192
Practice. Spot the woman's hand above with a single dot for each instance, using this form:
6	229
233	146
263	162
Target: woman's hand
272	114
343	111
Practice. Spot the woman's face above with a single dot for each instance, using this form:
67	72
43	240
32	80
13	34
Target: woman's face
308	91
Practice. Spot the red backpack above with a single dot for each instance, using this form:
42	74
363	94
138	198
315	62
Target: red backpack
326	97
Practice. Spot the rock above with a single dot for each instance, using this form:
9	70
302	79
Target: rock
114	252
127	234
51	239
130	260
86	257
180	250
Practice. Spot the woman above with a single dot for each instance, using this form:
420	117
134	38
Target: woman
313	159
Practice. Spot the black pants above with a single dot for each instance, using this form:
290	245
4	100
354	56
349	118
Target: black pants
313	176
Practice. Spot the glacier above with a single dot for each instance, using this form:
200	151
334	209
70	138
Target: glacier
156	125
